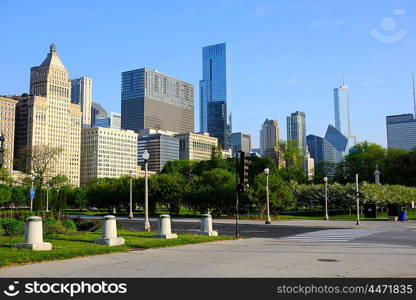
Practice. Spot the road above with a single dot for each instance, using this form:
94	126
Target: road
283	249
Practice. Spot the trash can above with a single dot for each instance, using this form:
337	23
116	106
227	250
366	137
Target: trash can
370	210
402	216
393	210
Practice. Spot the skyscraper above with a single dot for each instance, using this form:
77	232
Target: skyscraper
49	118
241	142
7	126
296	130
215	108
342	110
269	138
342	114
113	121
97	112
150	99
81	93
401	131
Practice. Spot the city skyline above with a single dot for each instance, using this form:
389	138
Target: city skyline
271	74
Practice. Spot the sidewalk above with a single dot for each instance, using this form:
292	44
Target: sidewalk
242	258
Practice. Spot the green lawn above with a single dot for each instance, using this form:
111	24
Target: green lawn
80	244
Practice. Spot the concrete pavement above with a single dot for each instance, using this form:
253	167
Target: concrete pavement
242	258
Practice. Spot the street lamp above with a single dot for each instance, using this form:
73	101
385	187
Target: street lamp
146	192
131	195
326	198
377	175
32	195
358	199
47	197
268	220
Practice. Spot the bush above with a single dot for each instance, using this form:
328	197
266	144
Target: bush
69	225
52	225
2	232
12	227
87	225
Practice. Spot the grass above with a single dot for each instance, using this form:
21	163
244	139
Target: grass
81	244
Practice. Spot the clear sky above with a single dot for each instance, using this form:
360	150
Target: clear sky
286	55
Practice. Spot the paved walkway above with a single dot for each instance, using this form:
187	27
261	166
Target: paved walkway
255	257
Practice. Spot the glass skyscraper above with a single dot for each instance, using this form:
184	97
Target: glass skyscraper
296	129
342	111
151	99
215	108
342	114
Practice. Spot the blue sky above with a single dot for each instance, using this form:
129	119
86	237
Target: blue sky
286	55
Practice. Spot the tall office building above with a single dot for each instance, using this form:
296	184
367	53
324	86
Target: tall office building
241	142
113	121
296	130
150	99
81	93
269	138
162	148
7	123
342	110
342	114
107	152
215	102
49	118
401	131
322	150
97	112
196	146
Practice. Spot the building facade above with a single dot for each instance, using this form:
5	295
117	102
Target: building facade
322	150
401	131
113	121
196	146
107	152
97	112
241	142
161	148
150	99
215	102
342	110
269	138
296	130
81	93
49	118
342	114
7	123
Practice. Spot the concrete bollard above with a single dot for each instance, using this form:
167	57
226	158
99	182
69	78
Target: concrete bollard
164	229
109	233
206	226
34	235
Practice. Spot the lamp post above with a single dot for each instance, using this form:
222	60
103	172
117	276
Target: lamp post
377	175
326	198
358	199
268	220
131	196
31	197
146	192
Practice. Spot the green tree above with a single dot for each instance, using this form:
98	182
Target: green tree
280	195
5	195
171	189
213	190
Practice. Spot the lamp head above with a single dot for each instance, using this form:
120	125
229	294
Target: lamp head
145	155
266	171
325	179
